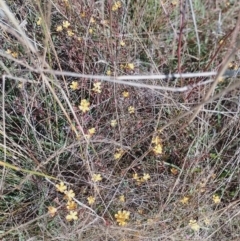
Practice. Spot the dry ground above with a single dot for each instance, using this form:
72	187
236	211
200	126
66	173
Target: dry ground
179	179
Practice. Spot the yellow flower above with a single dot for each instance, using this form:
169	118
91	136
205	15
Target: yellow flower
174	171
113	123
156	140
71	205
61	187
39	21
72	216
174	2
131	109
69	195
125	94
216	199
8	51
116	6
91	131
122	43
158	149
206	221
130	66
135	176
145	176
90	30
96	177
92	20
184	200
14	54
118	154
52	211
84	105
91	200
70	33
59	28
122	198
97	87
66	24
194	225
122	217
108	72
74	85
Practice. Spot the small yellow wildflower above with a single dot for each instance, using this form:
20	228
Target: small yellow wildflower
108	72
83	14
79	39
122	217
174	2
72	216
97	87
74	85
135	176
125	94
122	43
216	199
39	21
69	195
96	177
113	123
91	200
158	149
207	221
90	30
91	131
71	205
116	6
66	24
59	28
174	171
118	154
61	187
8	51
156	140
14	54
70	33
92	20
84	105
131	109
184	200
194	225
221	79
122	198
130	66
52	211
146	176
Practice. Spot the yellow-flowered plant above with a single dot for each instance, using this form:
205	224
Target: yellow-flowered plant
71	205
91	131
131	109
108	72
52	211
84	105
184	200
66	24
113	123
39	21
122	198
70	33
122	43
91	200
69	195
194	225
61	187
96	177
97	87
116	6
72	216
118	154
145	177
130	66
125	94
216	199
59	28
122	217
74	85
